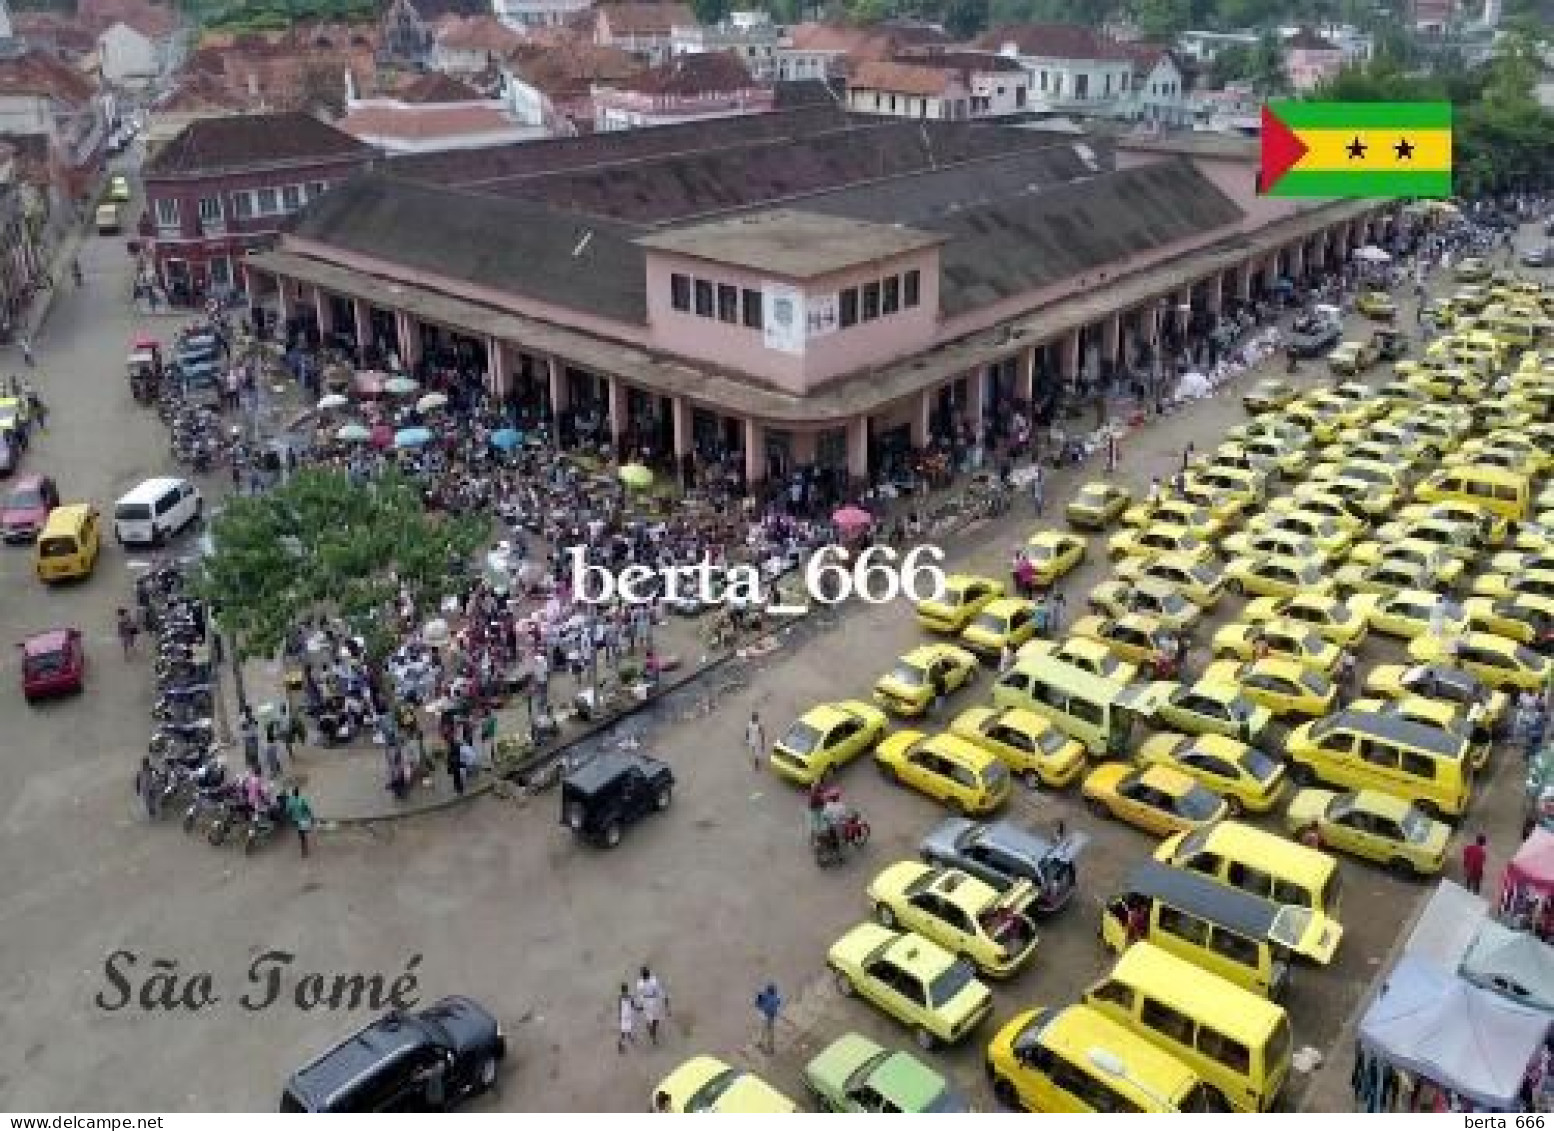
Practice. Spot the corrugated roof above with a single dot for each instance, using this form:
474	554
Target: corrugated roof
242	140
503	244
792	243
421	123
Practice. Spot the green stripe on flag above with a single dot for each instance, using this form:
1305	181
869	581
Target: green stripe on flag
1371	186
1363	115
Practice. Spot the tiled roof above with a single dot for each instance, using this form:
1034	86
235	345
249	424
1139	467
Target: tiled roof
503	244
53	30
479	33
244	140
981	62
151	20
199	90
421	124
625	20
1052	41
37	73
860	44
434	86
904	78
707	72
1146	55
570	69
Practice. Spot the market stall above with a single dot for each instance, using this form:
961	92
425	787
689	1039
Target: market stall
1433	1042
1514	964
1527	892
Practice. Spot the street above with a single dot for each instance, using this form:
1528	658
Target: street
494	899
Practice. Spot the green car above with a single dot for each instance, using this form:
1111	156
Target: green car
855	1074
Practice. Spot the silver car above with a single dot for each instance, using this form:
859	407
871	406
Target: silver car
1001	854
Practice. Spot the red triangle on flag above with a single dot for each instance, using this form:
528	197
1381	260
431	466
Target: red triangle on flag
1282	150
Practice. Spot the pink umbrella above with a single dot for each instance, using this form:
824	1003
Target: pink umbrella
851	518
369	384
382	435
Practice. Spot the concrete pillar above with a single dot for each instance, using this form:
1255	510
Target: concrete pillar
1298	259
1319	250
755	454
1216	292
1182	302
1244	281
1025	387
500	380
617	392
1071	354
858	448
976	400
283	301
409	334
321	307
1271	272
558	384
680	424
920	413
363	323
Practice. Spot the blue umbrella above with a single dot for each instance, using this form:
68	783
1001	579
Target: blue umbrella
506	439
412	437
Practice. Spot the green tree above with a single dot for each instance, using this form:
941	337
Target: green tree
1268	73
1162	19
321	544
967	18
866	12
710	12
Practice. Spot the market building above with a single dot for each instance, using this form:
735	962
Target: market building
807	287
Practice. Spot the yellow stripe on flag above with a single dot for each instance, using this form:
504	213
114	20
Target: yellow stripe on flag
1328	151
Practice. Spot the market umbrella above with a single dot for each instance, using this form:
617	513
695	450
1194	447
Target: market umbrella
400	386
412	437
431	401
635	476
353	433
333	400
506	439
369	384
1370	253
851	518
382	435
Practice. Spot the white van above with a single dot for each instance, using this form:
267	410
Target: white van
156	510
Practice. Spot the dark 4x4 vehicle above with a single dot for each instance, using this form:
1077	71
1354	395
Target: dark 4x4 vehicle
600	798
404	1062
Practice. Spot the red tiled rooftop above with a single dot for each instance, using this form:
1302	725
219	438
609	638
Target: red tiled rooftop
708	72
479	33
34	72
1052	41
434	86
243	140
646	19
903	78
421	124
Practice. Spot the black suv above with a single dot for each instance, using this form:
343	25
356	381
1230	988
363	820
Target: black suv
601	797
404	1062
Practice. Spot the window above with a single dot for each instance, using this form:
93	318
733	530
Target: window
210	209
1183	926
1081	86
1418	765
728	303
266	202
1237	948
680	291
871	301
1118	993
291	197
911	288
1085	711
1170	1024
242	205
847	314
316	189
751	305
704	298
1221	1049
167	212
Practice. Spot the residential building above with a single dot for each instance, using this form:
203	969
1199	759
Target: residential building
54	34
408	28
224	185
908	90
683	88
1237	109
303	68
1158	91
998	86
830	51
812	289
1205	46
471	45
1353	44
1074	70
527	15
551	84
1436	17
750	35
22	260
643	30
1311	60
432	113
42	95
128	56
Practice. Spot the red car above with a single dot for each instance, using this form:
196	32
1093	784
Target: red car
53	663
26	508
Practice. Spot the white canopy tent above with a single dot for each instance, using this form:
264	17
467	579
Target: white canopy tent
1514	964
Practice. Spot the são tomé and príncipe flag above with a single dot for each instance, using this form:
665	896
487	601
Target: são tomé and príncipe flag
1366	149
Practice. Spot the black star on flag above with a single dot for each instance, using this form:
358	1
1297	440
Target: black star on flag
1356	149
1404	149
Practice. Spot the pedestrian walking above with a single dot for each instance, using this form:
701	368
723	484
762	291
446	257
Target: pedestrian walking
272	748
1535	732
626	1020
1474	857
145	787
1005	658
768	1003
249	730
128	631
653	1000
940	690
542	676
755	740
35	406
1038	491
1111	452
26	344
300	813
1055	613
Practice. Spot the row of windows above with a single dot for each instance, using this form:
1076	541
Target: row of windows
1178	1027
1201	933
242	205
742	306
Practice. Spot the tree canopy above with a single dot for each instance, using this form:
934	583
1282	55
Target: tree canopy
323	544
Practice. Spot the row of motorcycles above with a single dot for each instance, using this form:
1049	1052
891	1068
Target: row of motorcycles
187	775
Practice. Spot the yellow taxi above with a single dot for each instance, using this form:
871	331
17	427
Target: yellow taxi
908	688
1149	597
1285	687
1267	395
1155	539
1025	742
1136	638
1212	708
1445	535
706	1084
1246	486
1389	575
962	914
1086	654
1538	582
963	597
1500	449
1377	305
1522	561
1331	536
1352	358
1502	664
1198	520
1260	541
1157	799
1372	825
1006	622
946	768
1200	580
1288	458
1268	576
1242	640
1343	622
1489	529
1472	270
1053	554
1456	720
912	979
825	738
1314	498
1249	780
1440	682
1096	505
1362	496
1441	567
1525	618
1408	613
1228	508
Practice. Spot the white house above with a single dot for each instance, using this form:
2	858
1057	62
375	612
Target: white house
1205	46
1073	70
129	56
750	35
525	14
904	90
1159	90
